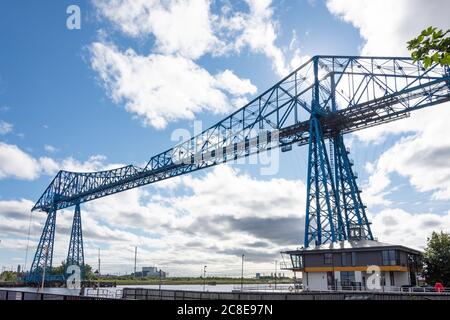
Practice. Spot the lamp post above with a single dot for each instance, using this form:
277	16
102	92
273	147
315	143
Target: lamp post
242	274
160	279
204	278
276	274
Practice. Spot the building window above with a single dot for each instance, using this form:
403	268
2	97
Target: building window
391	277
347	278
390	258
297	261
347	259
353	258
328	258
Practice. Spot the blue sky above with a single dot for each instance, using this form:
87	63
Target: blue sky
77	99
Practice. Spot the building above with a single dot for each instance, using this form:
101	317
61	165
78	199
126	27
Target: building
151	272
346	264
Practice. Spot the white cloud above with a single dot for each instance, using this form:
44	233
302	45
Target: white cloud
221	215
386	26
190	29
179	27
228	81
19	164
161	89
5	127
400	227
257	30
168	85
16	163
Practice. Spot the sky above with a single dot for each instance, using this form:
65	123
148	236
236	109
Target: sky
138	72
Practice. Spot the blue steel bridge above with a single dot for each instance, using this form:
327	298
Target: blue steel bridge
314	106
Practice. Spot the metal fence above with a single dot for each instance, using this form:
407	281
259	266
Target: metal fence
19	295
154	294
104	293
297	288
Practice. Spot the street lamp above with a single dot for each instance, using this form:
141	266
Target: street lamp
276	274
242	274
204	278
160	280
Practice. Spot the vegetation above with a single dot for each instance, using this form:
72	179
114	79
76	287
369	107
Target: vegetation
8	276
61	269
130	280
437	259
431	46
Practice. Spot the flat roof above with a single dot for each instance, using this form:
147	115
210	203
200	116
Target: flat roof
352	245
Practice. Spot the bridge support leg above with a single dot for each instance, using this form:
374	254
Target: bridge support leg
350	204
75	255
323	220
43	258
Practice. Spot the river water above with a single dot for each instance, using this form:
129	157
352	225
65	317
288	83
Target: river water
188	287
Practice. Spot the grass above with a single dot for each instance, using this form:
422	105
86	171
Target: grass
187	281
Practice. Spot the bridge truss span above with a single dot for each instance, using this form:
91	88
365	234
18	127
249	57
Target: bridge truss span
324	99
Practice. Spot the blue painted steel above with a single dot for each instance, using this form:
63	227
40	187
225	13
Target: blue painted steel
368	91
343	93
323	223
43	258
75	255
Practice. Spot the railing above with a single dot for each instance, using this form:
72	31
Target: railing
28	295
296	288
387	289
268	288
112	293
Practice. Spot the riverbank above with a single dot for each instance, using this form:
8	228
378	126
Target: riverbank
191	281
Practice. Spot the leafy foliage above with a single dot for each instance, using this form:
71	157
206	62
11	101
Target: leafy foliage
61	269
8	276
437	259
432	46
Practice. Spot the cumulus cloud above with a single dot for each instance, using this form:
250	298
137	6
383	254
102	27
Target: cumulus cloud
165	88
19	164
169	84
400	227
386	26
179	27
190	29
256	30
219	216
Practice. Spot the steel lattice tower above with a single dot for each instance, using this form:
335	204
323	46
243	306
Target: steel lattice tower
321	101
75	255
43	258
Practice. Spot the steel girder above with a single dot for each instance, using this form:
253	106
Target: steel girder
322	223
43	258
352	93
350	205
75	255
342	93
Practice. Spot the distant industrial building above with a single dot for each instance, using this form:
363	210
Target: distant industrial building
151	272
337	266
